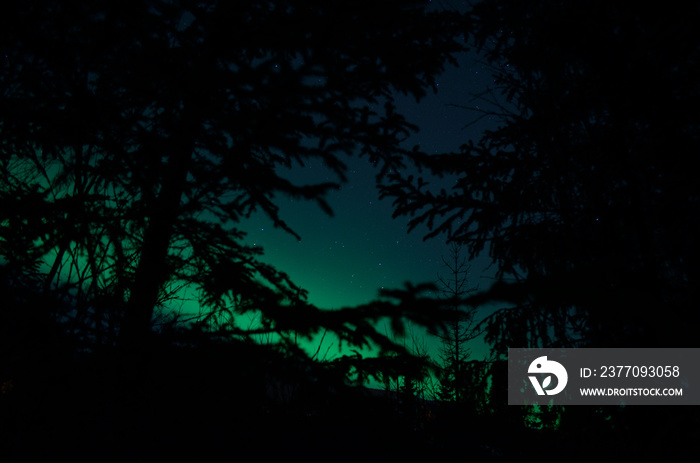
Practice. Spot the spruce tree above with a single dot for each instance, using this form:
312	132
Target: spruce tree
461	326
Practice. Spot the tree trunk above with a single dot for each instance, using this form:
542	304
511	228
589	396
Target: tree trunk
152	271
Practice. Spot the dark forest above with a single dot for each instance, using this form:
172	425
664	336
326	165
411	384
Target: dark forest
138	138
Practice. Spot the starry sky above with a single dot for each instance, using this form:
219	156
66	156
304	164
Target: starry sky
345	259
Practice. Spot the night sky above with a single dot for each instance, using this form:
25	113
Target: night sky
93	363
345	259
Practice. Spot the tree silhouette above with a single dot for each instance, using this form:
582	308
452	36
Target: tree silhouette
461	327
137	137
409	374
582	195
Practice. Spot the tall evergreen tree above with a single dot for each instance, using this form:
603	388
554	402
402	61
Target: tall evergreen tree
582	196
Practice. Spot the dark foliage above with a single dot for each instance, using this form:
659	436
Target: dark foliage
135	140
137	137
583	196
